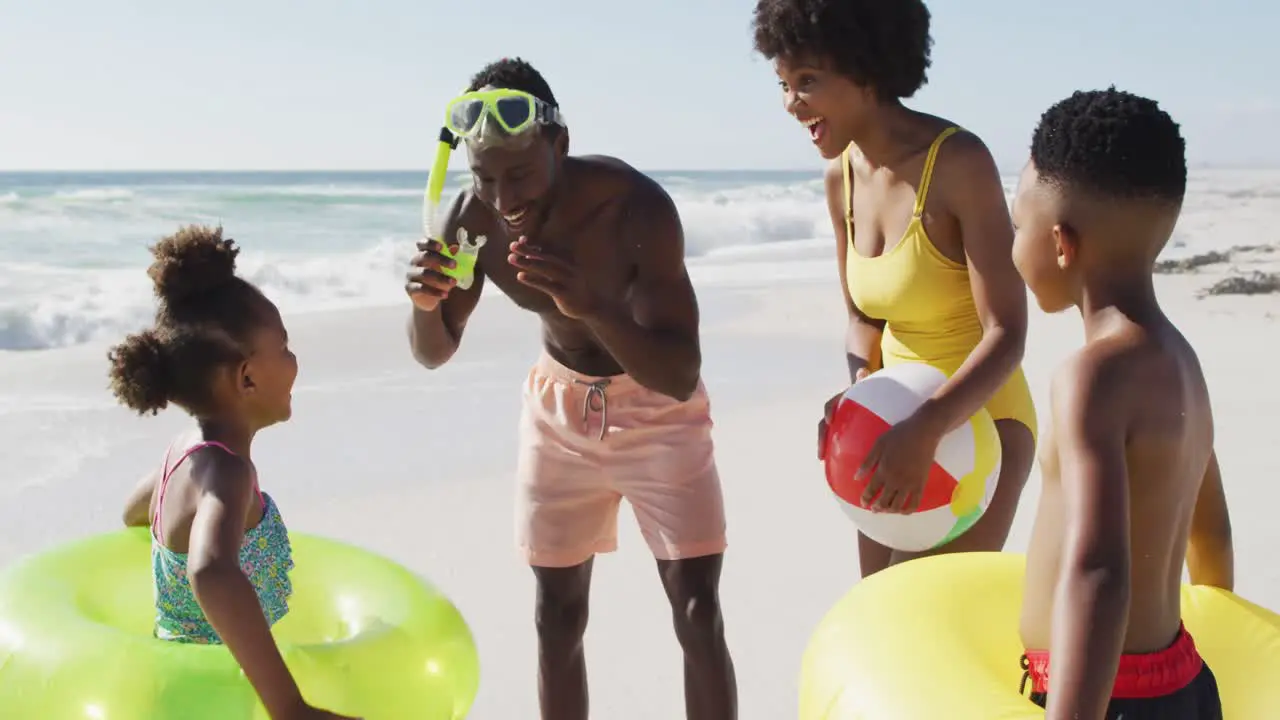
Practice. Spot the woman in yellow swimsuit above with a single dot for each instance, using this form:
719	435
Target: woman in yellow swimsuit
923	242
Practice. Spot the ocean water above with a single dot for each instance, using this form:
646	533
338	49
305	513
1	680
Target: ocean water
73	246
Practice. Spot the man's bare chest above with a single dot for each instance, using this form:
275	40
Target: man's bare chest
594	260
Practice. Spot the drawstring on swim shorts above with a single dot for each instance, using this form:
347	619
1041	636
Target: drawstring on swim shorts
595	389
1026	674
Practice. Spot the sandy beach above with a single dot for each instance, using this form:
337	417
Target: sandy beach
417	465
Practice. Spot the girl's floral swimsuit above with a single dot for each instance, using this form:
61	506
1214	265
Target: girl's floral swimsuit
265	556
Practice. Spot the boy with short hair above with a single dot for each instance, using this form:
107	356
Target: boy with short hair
1130	481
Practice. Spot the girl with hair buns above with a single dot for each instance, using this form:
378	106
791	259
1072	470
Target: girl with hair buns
220	554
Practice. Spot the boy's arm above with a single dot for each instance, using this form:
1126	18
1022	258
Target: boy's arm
1091	602
1210	557
137	509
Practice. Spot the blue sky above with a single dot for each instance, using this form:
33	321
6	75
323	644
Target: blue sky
665	84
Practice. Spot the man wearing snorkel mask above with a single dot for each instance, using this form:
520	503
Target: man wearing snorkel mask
615	407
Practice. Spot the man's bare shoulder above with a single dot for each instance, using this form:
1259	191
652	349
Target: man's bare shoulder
612	177
604	165
629	198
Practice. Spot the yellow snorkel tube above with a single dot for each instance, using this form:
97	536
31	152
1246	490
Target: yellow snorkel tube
435	181
465	255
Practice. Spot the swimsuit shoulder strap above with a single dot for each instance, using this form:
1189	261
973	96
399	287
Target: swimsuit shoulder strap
927	175
168	471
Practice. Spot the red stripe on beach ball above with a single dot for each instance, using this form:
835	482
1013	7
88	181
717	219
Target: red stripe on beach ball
854	429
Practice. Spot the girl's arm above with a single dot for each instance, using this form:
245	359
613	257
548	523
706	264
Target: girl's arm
221	588
137	509
975	195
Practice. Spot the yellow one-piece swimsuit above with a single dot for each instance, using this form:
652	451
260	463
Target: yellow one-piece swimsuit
926	301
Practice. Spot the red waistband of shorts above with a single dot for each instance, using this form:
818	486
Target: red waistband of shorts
1145	675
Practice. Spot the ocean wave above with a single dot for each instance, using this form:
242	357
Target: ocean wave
101	194
58	307
73	258
751	215
73	267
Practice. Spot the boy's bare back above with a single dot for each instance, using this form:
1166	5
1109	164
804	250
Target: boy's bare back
1134	404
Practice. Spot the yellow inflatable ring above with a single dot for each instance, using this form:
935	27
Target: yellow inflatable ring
938	638
363	636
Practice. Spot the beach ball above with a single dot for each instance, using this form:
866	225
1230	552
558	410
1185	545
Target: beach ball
962	478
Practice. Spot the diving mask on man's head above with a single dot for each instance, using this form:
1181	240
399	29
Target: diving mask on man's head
497	115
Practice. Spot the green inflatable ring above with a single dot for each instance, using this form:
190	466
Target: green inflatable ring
363	636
